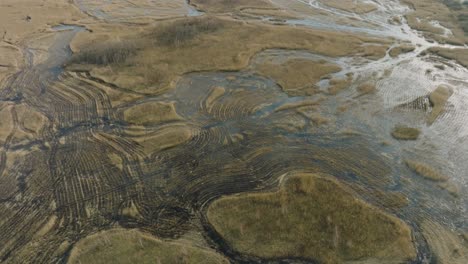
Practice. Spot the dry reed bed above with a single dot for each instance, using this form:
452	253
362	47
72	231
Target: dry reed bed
200	44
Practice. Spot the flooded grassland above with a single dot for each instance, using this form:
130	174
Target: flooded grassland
232	131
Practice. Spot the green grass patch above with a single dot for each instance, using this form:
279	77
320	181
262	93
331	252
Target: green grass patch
130	246
405	133
313	217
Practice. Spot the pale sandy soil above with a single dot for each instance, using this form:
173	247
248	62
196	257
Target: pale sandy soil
134	9
21	20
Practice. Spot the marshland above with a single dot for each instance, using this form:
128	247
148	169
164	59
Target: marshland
234	131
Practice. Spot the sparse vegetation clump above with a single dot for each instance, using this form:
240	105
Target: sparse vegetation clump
114	52
446	245
338	85
132	246
151	113
312	217
298	77
226	6
397	51
438	98
460	8
426	171
6	126
366	88
406	133
182	31
459	55
165	137
427	11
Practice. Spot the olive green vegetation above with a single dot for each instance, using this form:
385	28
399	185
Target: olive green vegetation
425	171
231	5
314	217
131	246
405	133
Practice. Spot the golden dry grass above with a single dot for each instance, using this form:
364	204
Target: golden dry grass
117	97
426	171
132	246
446	245
47	227
465	237
451	188
366	88
397	51
199	44
405	133
426	11
6	124
338	85
116	160
131	211
390	200
459	55
296	105
297	76
314	217
151	113
215	94
165	137
29	119
10	59
438	98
